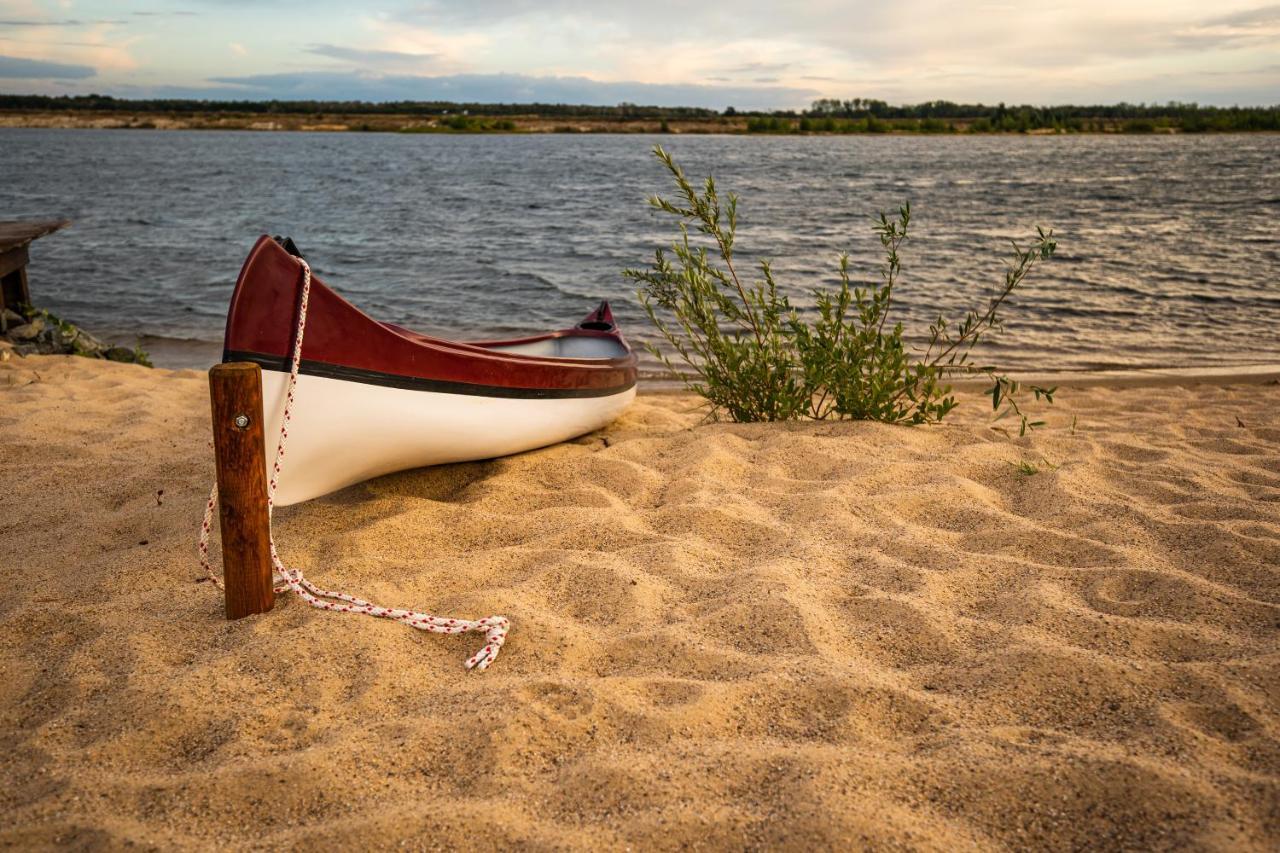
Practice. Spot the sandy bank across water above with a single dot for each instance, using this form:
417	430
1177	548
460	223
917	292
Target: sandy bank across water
806	635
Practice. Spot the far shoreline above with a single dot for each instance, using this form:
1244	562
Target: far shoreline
517	125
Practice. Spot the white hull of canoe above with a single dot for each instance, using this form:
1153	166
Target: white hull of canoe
343	432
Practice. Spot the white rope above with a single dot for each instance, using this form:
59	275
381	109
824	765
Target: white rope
493	627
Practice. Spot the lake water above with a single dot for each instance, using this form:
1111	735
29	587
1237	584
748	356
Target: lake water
1169	248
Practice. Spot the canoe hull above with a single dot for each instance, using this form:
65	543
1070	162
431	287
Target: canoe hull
343	432
374	397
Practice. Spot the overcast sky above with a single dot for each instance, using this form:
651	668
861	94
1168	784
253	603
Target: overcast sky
710	53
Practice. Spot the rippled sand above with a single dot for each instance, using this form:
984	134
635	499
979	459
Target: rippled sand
803	636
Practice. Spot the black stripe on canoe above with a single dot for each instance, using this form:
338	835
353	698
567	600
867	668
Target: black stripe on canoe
417	383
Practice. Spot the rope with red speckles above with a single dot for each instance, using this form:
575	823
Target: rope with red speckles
493	627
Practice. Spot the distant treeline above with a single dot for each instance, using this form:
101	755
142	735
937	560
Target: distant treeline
106	103
871	116
858	115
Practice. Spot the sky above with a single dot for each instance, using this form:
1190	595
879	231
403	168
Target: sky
708	53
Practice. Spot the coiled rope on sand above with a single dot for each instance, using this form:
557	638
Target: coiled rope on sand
493	627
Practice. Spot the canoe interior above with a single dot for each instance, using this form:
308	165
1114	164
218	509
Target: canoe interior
566	347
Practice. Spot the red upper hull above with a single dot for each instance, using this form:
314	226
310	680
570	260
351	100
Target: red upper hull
343	341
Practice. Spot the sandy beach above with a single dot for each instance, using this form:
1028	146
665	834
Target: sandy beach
802	636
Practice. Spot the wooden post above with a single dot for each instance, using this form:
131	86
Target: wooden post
235	391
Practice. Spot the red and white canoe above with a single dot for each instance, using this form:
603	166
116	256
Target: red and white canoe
373	397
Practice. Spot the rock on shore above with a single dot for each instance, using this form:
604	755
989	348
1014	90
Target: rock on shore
38	332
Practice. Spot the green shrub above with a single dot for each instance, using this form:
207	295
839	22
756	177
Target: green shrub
141	356
769	124
1140	125
754	357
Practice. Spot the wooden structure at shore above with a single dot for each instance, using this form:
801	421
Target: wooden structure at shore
15	236
239	447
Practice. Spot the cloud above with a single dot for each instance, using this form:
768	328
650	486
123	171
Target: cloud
497	88
65	22
381	59
1259	26
1263	16
13	67
465	12
759	68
